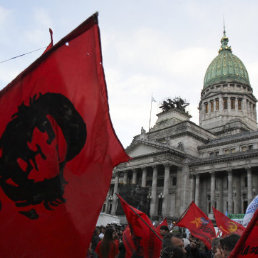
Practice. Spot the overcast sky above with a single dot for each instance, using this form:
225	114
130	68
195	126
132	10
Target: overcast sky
149	47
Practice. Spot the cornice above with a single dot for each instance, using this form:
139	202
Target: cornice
228	140
225	158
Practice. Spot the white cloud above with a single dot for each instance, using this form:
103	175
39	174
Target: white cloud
4	14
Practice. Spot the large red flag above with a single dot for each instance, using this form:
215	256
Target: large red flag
226	225
198	224
147	242
58	149
247	245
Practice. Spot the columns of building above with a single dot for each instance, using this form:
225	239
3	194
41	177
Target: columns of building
192	188
212	190
144	176
197	189
220	188
114	203
153	205
125	179
134	177
237	206
230	192
165	191
249	185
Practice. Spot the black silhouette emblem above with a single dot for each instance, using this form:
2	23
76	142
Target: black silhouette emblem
15	143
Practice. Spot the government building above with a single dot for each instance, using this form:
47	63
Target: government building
214	163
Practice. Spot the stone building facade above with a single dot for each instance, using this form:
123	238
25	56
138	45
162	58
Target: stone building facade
214	163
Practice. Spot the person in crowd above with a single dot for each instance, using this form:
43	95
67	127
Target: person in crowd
227	244
195	249
172	246
107	248
163	230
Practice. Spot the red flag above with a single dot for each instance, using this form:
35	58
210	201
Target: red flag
247	245
198	224
163	223
147	242
226	225
128	242
58	149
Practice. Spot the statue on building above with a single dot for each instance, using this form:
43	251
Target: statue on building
176	103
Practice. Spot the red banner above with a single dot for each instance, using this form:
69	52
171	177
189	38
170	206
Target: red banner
247	245
226	225
57	150
146	241
198	224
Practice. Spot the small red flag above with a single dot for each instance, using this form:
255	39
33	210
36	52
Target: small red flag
226	225
128	242
198	224
58	150
162	223
247	245
147	242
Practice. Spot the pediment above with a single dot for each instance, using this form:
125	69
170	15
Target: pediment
141	149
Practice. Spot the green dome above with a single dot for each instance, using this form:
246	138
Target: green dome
226	67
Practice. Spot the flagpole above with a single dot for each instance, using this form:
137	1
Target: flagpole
182	215
142	220
150	114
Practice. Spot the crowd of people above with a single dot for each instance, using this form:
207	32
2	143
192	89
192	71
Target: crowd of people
107	242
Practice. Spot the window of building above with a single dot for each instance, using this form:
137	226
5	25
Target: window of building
243	148
226	151
211	154
225	103
239	104
216	153
250	147
212	105
217	104
206	107
233	150
233	103
104	207
245	181
160	182
174	180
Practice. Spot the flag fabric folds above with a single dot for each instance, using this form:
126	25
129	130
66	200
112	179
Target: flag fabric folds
146	241
252	207
226	225
198	224
128	243
57	150
247	245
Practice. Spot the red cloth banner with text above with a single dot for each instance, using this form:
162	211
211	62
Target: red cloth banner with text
146	242
247	245
57	150
198	224
226	225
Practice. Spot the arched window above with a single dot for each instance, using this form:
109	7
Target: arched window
233	103
206	107
225	103
212	105
217	104
239	104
